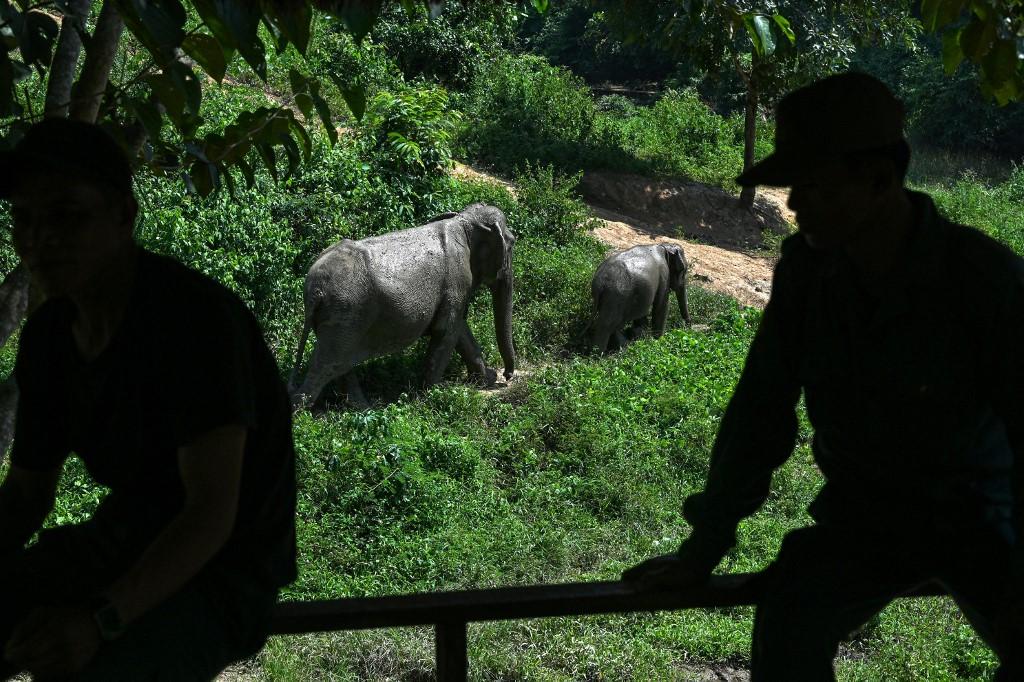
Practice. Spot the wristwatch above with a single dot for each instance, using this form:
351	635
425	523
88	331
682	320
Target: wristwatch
106	617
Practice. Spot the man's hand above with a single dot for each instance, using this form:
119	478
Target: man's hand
54	641
691	565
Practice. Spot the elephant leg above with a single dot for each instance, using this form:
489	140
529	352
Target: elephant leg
636	330
354	391
333	357
444	334
659	314
600	337
620	340
472	356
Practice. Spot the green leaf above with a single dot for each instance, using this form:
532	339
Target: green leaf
292	19
266	153
236	24
783	24
929	10
148	114
323	111
355	97
207	53
411	8
160	26
178	90
540	5
359	16
307	143
291	151
39	31
1010	91
247	172
204	177
976	39
1000	64
948	12
8	104
167	94
229	180
760	31
937	13
298	82
305	104
952	55
15	26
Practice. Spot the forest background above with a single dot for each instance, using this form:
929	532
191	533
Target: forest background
577	470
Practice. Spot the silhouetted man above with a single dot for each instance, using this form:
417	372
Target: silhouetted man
158	378
906	334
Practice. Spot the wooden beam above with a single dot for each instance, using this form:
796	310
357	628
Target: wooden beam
450	652
507	603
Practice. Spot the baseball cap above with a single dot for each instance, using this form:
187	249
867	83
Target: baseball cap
66	146
836	116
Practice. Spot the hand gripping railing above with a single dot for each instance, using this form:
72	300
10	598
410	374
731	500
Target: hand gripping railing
449	612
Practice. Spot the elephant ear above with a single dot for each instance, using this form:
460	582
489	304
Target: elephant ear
676	265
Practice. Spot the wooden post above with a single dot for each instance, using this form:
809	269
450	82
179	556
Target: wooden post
450	651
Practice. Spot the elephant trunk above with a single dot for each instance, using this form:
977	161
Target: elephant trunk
501	293
684	307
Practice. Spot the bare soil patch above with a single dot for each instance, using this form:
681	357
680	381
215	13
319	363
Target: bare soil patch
721	240
678	208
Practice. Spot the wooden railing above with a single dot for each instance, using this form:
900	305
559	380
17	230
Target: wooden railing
450	612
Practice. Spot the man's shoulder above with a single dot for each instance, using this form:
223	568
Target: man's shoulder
173	287
983	260
796	258
794	246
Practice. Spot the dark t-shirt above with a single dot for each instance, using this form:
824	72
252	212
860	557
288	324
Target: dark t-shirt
188	357
915	397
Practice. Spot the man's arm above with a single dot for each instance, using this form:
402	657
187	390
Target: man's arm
211	472
56	641
26	499
756	436
1009	390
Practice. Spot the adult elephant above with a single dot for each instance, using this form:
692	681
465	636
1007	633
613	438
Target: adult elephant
376	296
630	285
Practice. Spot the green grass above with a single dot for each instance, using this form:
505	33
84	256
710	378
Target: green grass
573	474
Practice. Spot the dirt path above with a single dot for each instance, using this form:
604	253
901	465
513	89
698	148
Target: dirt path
723	242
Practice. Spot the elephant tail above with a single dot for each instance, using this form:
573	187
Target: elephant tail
307	324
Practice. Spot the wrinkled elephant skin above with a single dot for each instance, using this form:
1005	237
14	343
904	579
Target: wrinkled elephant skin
630	285
379	295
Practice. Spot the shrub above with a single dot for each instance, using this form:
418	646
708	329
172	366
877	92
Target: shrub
521	108
406	136
678	136
237	242
449	48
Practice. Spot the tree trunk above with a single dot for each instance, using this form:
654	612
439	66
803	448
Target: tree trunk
65	59
749	137
13	302
99	59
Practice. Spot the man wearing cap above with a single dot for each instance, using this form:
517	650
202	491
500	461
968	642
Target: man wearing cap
905	333
159	380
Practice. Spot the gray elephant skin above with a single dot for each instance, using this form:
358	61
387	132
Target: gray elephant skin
630	285
376	296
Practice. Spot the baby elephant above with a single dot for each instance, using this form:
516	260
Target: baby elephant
631	284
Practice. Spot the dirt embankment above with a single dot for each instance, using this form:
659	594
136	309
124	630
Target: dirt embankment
722	242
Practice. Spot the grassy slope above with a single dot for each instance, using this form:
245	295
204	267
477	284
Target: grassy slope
574	475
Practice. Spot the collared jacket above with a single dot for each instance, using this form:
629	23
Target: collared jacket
916	397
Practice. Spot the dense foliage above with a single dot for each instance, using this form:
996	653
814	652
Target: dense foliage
578	471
